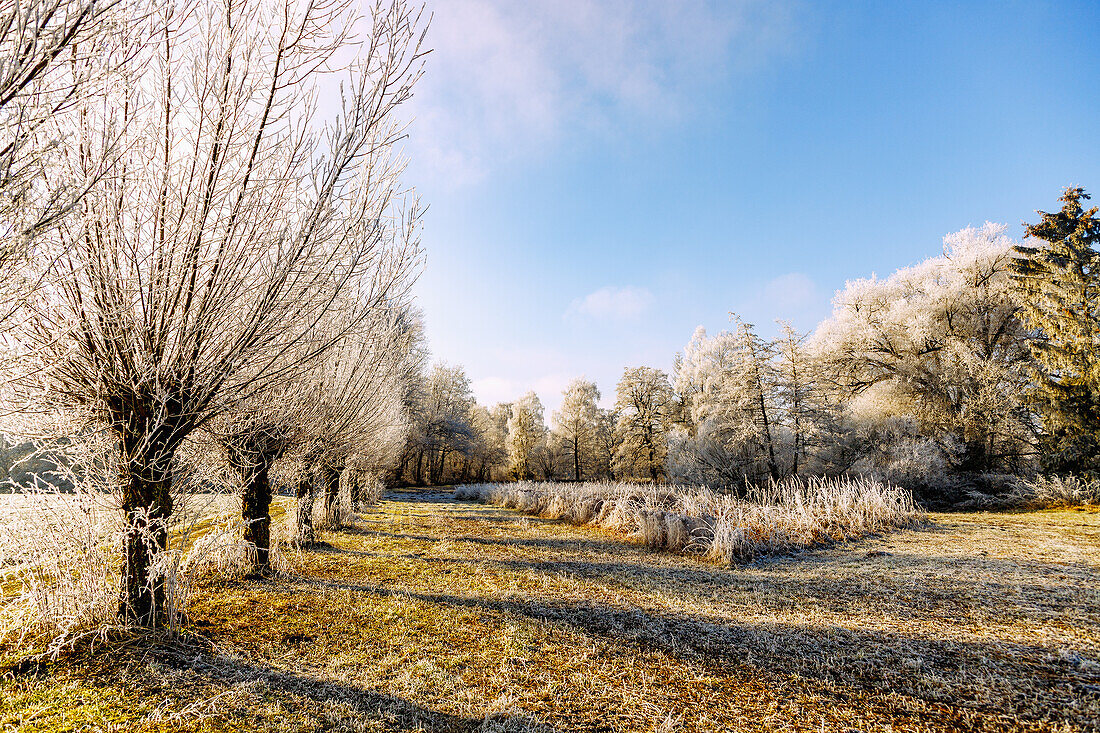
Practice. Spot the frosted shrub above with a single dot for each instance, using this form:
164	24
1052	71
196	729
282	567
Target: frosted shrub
676	533
61	573
1054	492
916	462
58	572
782	517
557	507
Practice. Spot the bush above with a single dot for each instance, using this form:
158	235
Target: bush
59	559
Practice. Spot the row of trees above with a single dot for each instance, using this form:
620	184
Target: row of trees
976	364
194	255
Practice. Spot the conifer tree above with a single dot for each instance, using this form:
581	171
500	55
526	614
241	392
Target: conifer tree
1059	285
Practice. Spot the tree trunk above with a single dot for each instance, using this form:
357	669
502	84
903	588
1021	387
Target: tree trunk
773	468
145	475
652	456
355	489
304	492
576	458
403	466
256	513
330	484
438	478
419	468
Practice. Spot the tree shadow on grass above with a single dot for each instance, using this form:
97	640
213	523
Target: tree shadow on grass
883	584
997	677
580	545
162	666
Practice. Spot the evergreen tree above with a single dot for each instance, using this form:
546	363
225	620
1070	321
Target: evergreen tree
1059	284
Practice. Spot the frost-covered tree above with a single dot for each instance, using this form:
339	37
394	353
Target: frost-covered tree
526	436
445	417
644	402
728	387
807	412
255	435
550	462
356	419
941	342
747	397
1059	291
575	426
605	444
488	448
500	414
233	222
697	448
54	56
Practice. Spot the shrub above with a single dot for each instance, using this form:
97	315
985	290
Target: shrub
59	565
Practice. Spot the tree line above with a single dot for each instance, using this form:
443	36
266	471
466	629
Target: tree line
966	370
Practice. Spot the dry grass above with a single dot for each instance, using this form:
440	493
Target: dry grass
782	518
59	559
434	615
1055	492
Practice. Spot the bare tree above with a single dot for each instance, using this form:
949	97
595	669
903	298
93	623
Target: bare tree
644	401
256	434
230	227
444	421
575	424
356	391
606	443
54	54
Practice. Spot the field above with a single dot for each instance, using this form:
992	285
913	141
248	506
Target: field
432	614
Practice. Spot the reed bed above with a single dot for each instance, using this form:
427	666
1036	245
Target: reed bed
778	519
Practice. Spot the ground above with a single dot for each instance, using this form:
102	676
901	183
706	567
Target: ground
430	614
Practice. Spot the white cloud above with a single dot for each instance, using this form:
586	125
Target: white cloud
491	390
612	303
508	78
792	292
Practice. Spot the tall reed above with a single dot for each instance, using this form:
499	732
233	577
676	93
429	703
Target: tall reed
775	519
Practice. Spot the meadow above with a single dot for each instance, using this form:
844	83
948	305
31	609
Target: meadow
429	613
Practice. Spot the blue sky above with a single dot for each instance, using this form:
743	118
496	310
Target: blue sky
603	176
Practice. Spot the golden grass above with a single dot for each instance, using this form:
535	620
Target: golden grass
434	615
789	516
59	557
